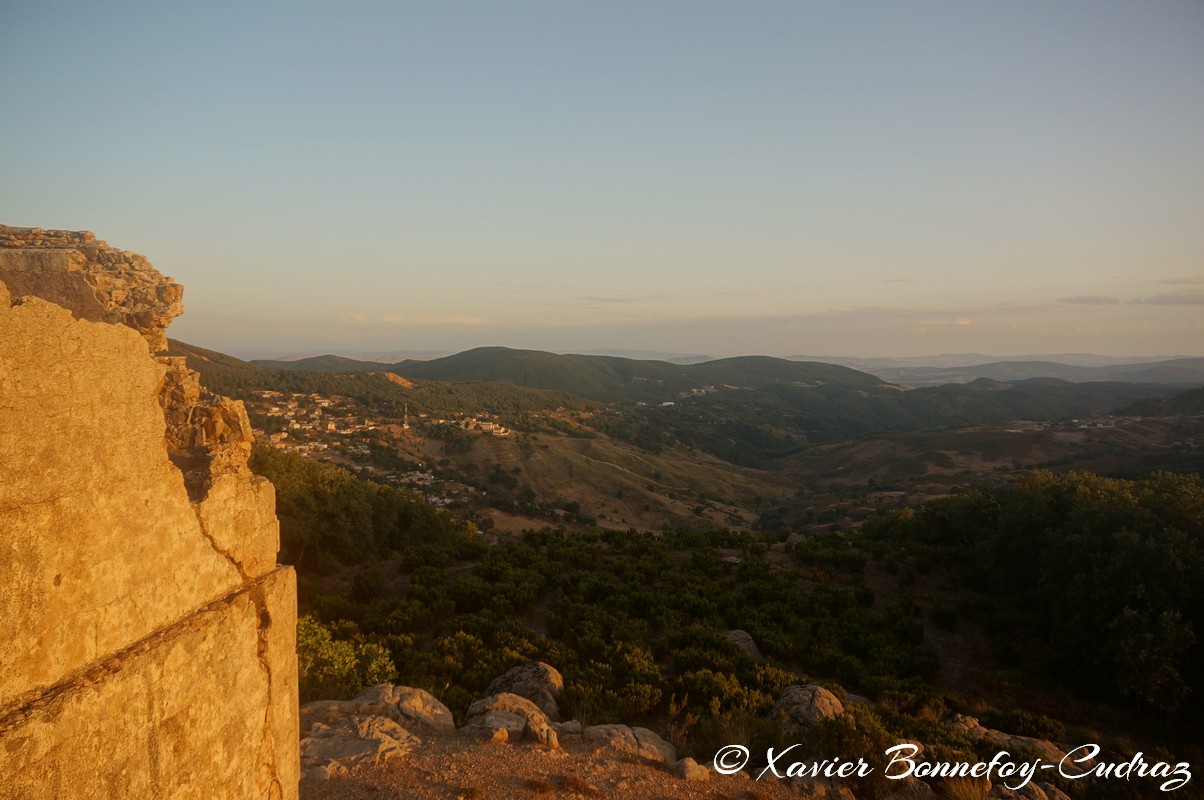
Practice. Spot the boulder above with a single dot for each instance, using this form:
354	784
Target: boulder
414	709
800	707
690	770
538	682
637	742
494	726
1030	791
1047	750
518	716
570	728
909	789
331	750
541	733
820	789
745	642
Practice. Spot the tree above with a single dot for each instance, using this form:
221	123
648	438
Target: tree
332	669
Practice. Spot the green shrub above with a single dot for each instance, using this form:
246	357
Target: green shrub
334	669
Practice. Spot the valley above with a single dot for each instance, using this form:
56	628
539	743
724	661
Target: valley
792	446
628	522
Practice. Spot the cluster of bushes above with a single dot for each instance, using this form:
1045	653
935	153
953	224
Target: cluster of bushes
329	517
1108	575
1105	573
634	621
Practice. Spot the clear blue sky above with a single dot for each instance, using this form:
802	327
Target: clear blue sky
861	178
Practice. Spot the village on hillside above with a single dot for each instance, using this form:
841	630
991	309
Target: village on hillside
339	430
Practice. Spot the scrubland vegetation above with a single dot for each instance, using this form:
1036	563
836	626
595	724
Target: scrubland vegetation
1086	591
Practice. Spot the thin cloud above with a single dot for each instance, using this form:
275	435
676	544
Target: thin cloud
1014	307
883	310
1187	280
1090	300
1183	297
607	302
520	286
413	319
614	299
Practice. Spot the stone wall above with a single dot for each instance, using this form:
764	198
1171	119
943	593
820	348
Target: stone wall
147	636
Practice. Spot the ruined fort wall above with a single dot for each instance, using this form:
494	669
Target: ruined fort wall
146	633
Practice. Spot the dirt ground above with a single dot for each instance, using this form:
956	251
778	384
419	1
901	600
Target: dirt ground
453	768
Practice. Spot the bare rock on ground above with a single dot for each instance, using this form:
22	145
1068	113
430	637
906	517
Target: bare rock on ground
518	716
572	727
637	742
538	682
825	790
1053	792
909	789
1030	791
690	770
328	751
800	707
745	642
414	709
1048	751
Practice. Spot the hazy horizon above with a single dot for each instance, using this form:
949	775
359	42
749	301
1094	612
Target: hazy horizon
870	180
957	359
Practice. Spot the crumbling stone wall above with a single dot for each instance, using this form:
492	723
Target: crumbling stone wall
147	636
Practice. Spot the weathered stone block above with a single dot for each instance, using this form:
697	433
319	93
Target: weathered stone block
147	638
179	715
99	544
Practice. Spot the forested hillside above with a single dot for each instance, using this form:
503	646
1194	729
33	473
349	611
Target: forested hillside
1082	594
746	411
1106	575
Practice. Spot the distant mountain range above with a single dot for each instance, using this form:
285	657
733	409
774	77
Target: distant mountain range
975	359
601	378
327	363
745	410
614	379
1174	371
646	355
535	366
1189	402
385	357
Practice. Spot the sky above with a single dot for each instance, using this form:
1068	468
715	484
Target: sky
892	178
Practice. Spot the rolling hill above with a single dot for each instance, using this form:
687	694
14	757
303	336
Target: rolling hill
235	378
614	379
1189	402
745	410
327	363
219	372
1177	370
592	377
